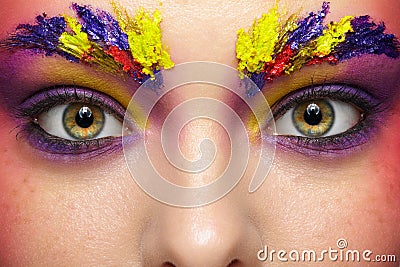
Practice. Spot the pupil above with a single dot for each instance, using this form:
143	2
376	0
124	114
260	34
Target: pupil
313	114
84	118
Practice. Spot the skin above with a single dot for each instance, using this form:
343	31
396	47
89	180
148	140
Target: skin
93	213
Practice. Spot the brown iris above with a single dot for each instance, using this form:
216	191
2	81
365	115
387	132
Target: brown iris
83	121
313	118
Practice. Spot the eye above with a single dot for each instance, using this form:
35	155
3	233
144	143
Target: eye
79	121
327	119
318	118
71	122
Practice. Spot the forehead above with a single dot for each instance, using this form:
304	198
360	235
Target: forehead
203	30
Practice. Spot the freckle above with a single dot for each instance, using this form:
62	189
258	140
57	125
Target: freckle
14	192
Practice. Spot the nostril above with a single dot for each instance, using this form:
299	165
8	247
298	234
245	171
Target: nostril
168	264
234	263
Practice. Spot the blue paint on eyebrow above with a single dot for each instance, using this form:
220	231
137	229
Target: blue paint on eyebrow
258	79
367	38
309	28
44	35
300	47
101	26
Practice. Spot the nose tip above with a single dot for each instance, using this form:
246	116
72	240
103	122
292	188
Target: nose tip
205	236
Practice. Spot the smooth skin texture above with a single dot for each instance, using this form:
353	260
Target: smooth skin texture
92	213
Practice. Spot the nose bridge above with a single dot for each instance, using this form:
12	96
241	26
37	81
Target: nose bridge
197	136
215	235
206	146
218	234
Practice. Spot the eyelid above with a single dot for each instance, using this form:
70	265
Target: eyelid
342	143
54	147
48	98
341	92
380	82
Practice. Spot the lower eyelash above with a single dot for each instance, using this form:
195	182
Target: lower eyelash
342	143
338	144
56	148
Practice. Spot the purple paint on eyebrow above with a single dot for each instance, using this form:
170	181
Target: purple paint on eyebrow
309	28
44	35
94	37
258	79
101	26
367	38
300	48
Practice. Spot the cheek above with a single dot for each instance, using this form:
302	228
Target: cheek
15	189
306	204
370	210
62	215
384	171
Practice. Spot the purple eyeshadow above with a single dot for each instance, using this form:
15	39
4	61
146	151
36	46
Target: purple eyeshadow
373	112
49	98
54	147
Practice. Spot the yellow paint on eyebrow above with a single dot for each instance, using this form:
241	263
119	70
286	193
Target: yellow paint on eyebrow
290	26
144	37
323	45
256	46
76	43
332	36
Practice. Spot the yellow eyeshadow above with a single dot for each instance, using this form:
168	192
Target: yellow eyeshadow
305	77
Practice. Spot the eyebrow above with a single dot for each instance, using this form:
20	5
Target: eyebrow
123	44
271	49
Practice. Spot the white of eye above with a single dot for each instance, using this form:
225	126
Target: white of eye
52	122
346	116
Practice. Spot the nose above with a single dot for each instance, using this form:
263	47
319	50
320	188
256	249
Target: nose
215	235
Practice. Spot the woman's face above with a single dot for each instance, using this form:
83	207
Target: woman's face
91	211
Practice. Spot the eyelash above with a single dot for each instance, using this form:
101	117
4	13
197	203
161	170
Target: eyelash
57	147
60	148
371	111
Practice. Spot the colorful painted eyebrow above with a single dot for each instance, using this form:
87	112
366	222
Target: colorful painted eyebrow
270	49
121	45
